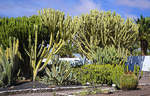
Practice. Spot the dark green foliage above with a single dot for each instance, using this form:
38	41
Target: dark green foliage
67	50
3	66
128	81
94	74
20	28
59	73
144	33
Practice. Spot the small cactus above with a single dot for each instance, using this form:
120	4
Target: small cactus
128	81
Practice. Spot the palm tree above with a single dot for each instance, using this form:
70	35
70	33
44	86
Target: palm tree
144	33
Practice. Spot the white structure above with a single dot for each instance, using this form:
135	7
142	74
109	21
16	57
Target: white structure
64	59
69	59
142	61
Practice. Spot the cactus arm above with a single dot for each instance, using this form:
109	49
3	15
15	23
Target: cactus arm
35	47
50	43
41	49
87	54
49	57
27	52
59	45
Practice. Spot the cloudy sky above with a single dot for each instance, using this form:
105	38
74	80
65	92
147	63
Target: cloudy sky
126	8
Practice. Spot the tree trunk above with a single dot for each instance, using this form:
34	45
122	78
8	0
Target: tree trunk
144	46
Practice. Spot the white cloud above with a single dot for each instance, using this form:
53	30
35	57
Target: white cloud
142	4
85	6
30	7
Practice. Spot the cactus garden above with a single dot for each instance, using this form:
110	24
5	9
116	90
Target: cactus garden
103	39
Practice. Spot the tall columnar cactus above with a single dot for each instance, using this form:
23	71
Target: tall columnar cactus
37	55
99	29
59	28
9	61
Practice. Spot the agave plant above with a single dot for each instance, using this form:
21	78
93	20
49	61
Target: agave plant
60	72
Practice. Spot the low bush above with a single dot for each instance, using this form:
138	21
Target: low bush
94	74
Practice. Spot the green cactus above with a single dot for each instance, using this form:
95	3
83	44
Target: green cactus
9	62
37	55
128	81
110	55
59	28
100	29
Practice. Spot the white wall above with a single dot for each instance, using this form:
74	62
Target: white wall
63	59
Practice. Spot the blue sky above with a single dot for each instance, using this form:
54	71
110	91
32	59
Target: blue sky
126	8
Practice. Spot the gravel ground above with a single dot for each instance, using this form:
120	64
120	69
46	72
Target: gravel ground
34	94
141	91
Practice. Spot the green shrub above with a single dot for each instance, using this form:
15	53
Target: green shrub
117	72
128	81
94	74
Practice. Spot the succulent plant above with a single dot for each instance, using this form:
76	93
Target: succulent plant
60	72
110	55
100	29
128	81
9	62
59	28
